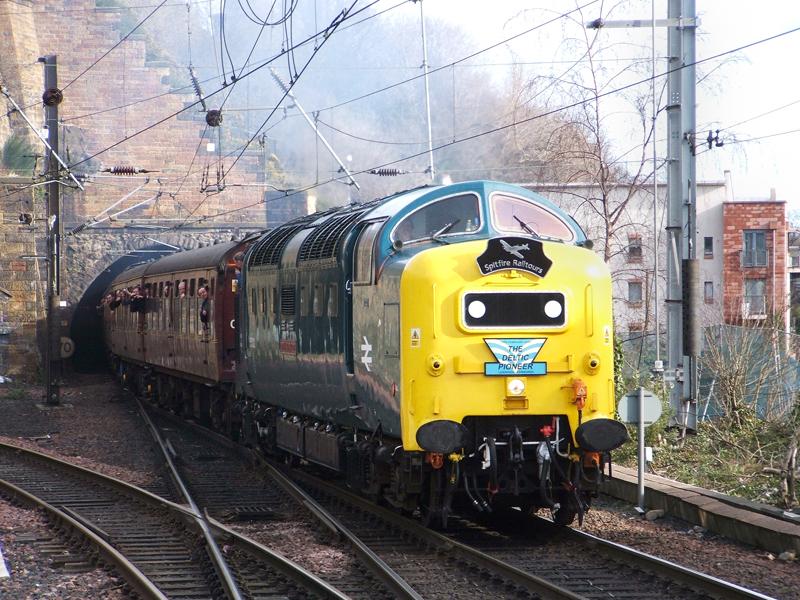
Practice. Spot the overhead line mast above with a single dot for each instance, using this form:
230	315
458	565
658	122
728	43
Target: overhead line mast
683	332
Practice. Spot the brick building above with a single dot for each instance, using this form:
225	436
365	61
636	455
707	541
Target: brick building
742	247
755	260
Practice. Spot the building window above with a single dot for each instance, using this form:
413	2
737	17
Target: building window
635	329
708	247
754	253
634	248
634	291
708	292
754	303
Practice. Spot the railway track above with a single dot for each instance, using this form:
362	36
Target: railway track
155	544
578	564
405	567
391	556
513	556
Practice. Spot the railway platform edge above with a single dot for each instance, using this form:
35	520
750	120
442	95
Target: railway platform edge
751	523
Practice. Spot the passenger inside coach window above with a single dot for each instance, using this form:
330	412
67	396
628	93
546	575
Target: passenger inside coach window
238	260
182	289
137	301
205	306
116	300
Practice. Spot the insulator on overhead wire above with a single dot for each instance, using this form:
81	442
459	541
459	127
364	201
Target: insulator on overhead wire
125	170
388	172
281	83
196	86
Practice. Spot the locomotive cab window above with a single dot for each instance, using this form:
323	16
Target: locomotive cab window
365	254
518	215
449	216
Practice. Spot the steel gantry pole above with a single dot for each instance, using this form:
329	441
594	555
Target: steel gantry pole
52	98
682	271
431	170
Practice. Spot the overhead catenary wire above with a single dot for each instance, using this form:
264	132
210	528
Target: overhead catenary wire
110	50
327	32
193	104
525	120
330	29
162	121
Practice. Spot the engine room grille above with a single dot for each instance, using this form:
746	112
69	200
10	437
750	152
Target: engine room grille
269	250
288	301
325	240
493	310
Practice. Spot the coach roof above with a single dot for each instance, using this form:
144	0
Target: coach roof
202	258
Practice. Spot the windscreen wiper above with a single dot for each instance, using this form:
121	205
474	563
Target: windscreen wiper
525	226
443	230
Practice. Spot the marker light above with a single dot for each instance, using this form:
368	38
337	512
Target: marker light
515	387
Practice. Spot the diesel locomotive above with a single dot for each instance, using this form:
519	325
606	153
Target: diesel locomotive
447	344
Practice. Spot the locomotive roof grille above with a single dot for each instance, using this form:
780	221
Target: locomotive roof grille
326	239
271	247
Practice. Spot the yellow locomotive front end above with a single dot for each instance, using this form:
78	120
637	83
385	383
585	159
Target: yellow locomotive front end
507	370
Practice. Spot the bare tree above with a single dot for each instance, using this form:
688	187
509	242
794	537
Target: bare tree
751	381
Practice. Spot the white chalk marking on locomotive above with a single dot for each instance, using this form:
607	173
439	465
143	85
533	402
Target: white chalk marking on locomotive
367	348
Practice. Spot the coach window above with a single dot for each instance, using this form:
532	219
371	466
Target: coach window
273	306
192	309
520	215
211	287
364	262
263	313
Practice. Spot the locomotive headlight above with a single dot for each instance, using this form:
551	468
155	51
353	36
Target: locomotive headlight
553	309
476	309
515	387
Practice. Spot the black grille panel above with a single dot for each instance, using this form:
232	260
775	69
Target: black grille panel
520	309
325	240
269	250
288	300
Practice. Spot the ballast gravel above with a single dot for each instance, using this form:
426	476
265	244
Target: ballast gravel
98	427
